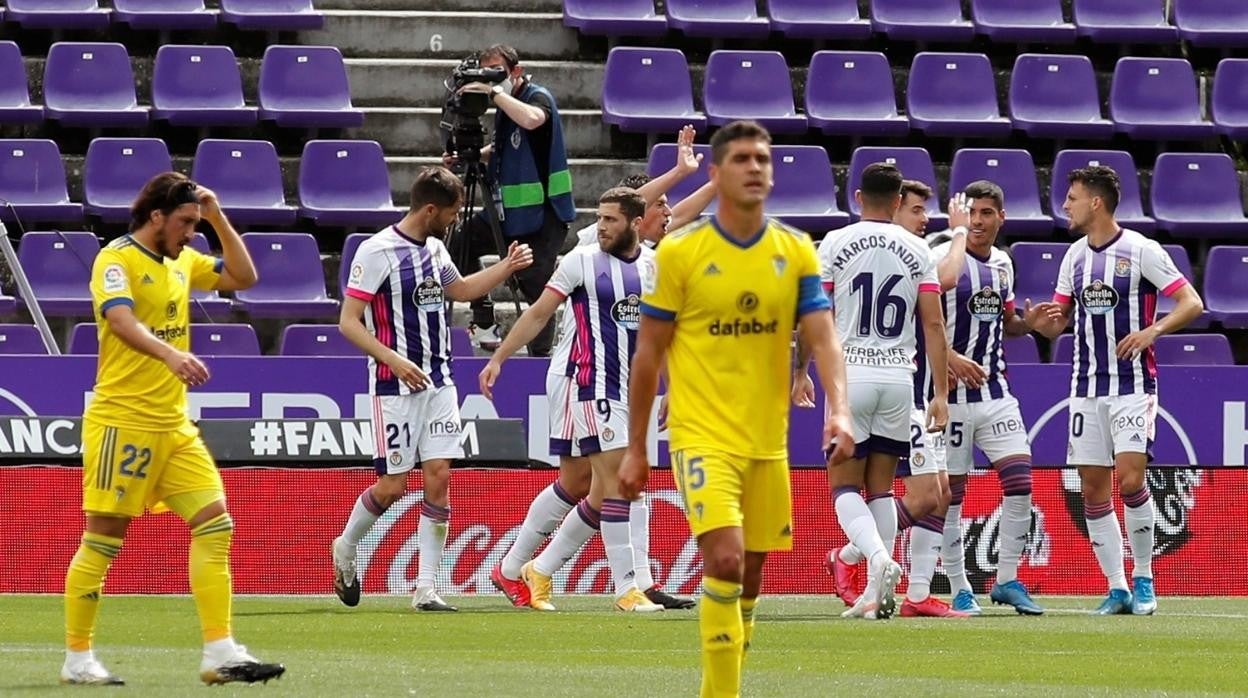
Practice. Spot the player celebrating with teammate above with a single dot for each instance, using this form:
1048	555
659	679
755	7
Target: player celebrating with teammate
399	283
1108	283
879	274
140	450
721	309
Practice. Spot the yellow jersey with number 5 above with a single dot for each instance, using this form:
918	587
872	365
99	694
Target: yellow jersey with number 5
133	389
735	305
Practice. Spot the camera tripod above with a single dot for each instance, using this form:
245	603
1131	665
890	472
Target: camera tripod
477	178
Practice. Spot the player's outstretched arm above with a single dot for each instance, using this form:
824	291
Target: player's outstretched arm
352	327
1049	318
126	327
691	207
237	272
933	319
653	338
526	328
687	162
469	288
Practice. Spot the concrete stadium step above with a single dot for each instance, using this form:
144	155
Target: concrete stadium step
405	131
417	82
406	34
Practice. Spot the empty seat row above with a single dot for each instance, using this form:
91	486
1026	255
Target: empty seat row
1172	350
92	84
341	183
949	94
1202	22
266	15
1192	195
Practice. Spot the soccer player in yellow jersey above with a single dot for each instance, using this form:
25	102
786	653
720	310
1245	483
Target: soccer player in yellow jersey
140	451
726	296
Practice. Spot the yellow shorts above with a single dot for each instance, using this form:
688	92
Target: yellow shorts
722	491
125	471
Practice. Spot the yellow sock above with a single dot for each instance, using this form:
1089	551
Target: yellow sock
210	575
747	623
83	583
719	619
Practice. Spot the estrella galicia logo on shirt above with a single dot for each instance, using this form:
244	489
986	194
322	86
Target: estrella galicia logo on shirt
428	296
627	312
985	305
1122	267
1098	298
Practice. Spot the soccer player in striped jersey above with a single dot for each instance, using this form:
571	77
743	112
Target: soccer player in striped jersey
880	276
587	384
1108	284
923	507
979	309
400	281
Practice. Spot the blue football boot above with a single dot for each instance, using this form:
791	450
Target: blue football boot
1117	603
1015	594
965	602
1143	600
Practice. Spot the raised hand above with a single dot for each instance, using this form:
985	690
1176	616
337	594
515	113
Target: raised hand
687	159
519	256
959	211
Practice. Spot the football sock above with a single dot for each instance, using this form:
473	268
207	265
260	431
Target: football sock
639	534
363	515
1015	478
431	539
859	525
579	526
951	547
902	515
1106	540
615	539
1138	515
722	631
850	554
209	571
545	513
747	623
883	508
83	583
925	543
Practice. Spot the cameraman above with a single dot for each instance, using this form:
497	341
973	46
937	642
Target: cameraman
529	165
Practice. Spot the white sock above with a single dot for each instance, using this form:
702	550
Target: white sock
547	510
1015	525
951	550
857	522
615	539
1141	524
431	539
1106	540
219	650
925	548
850	554
578	527
884	511
363	515
639	535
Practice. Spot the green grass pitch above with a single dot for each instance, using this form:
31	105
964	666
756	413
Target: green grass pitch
801	648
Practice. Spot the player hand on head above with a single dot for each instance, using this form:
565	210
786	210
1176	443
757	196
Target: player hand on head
966	371
803	392
519	256
209	204
187	367
687	160
838	437
959	211
408	372
937	414
634	472
1133	344
487	377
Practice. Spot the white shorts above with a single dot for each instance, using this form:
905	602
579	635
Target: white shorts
411	429
881	414
927	449
995	426
1102	427
583	427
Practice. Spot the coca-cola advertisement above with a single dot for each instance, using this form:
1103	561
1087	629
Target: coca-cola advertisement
285	519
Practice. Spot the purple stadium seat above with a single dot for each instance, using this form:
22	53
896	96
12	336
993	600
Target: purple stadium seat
21	339
851	93
663	157
92	85
15	106
247	179
8	305
1212	22
461	343
1123	21
346	183
1063	350
1156	99
805	192
84	339
1229	105
207	305
1015	173
224	340
954	94
271	15
1194	350
614	17
306	87
199	86
1023	21
750	85
648	90
1130	211
292	282
1056	97
818	19
1226	285
728	19
115	170
1022	350
1036	266
32	179
58	266
349	247
164	14
914	163
57	14
1198	195
316	340
921	20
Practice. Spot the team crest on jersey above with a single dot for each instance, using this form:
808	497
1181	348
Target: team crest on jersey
428	296
114	278
917	460
1122	267
985	305
180	277
779	262
608	434
1004	278
515	139
747	302
1098	298
395	458
627	312
649	275
171	310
